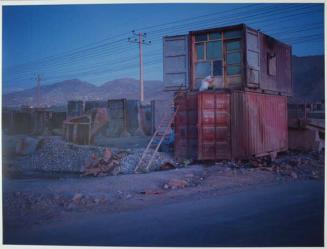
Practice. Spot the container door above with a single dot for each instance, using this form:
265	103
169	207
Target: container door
186	127
214	126
175	62
252	58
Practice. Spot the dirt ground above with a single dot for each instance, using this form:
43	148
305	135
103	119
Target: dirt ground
40	199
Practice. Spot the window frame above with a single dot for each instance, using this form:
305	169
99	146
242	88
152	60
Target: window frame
225	77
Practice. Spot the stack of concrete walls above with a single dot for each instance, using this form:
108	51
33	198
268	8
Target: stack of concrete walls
133	110
93	104
129	118
75	108
19	122
117	113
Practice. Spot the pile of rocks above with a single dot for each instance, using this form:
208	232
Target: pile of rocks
55	155
129	163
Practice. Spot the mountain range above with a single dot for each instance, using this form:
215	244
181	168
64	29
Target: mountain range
308	84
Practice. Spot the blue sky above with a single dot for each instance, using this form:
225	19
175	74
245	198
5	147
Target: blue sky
89	42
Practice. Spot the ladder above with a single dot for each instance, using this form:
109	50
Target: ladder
158	137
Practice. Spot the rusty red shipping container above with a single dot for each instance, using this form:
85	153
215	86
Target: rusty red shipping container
230	125
237	57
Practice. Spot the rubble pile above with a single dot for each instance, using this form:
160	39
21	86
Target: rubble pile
109	164
291	164
129	163
56	155
294	164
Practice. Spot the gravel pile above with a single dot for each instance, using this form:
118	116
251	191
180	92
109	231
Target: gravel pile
55	155
59	156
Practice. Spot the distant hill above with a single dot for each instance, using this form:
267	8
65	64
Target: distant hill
308	84
59	93
308	78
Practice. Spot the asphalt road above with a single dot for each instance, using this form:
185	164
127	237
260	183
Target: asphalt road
281	215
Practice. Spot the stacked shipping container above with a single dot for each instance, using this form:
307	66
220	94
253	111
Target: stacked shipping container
245	113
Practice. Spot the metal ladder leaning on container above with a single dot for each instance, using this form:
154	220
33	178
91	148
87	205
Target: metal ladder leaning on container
160	133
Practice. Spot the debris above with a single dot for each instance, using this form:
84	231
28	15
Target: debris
176	183
187	162
189	175
167	166
26	145
150	192
166	186
107	165
77	198
294	175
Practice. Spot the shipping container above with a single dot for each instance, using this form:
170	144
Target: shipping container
237	57
213	125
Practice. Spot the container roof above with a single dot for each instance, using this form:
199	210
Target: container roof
231	27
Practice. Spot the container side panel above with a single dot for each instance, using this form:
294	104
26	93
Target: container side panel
275	66
267	116
175	61
253	58
239	126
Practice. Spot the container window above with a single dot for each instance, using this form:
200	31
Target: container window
234	58
234	45
200	51
214	50
202	69
214	36
232	34
233	70
217	68
201	37
272	64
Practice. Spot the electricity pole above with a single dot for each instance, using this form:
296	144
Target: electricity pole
37	94
140	38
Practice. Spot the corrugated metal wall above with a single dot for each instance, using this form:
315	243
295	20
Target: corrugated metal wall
214	126
255	50
259	124
235	125
282	81
186	132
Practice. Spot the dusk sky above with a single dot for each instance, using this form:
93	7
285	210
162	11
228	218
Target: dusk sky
89	42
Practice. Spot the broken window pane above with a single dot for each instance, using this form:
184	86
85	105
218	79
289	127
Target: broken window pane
214	36
234	45
202	69
272	65
214	50
234	58
217	68
232	70
232	34
201	37
200	51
